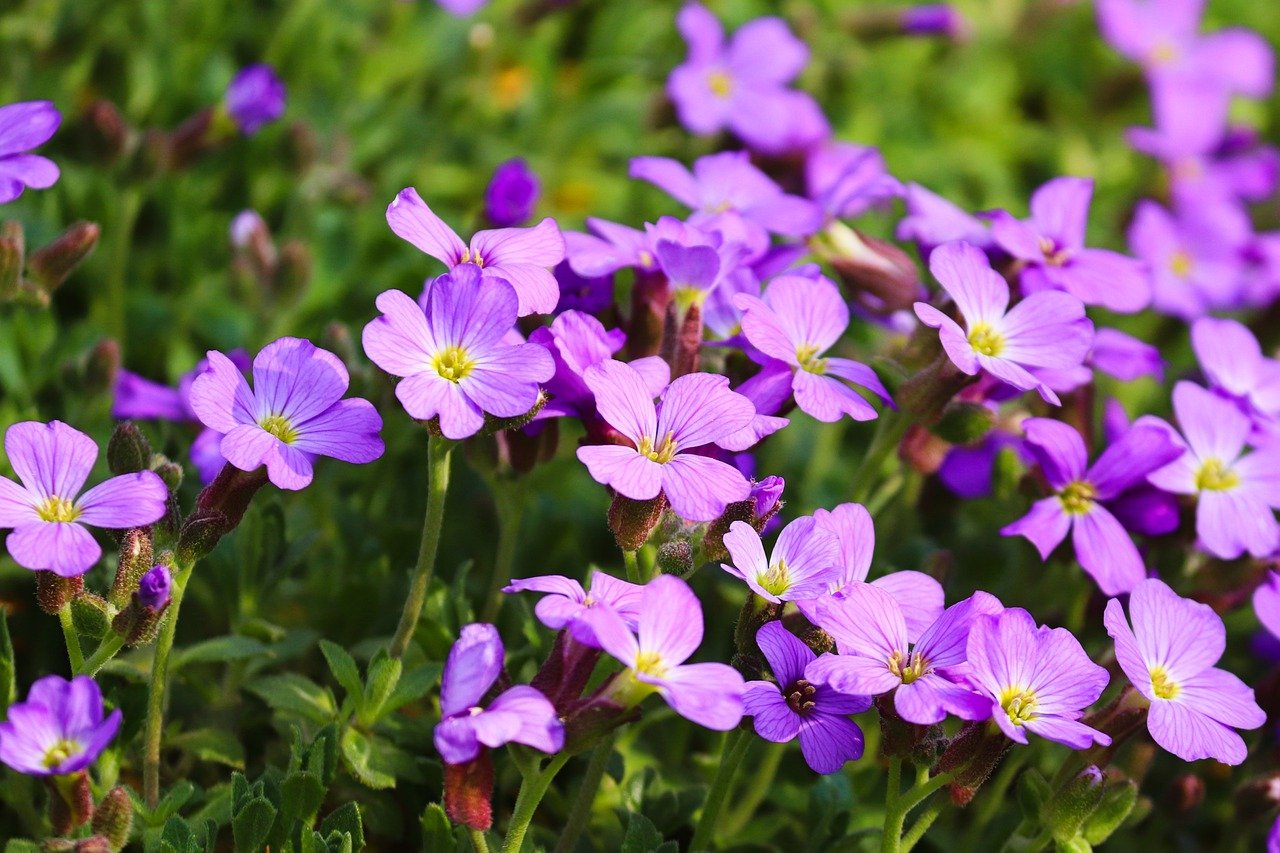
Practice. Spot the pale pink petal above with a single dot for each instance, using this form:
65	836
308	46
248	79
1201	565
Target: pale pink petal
400	341
623	399
965	273
631	474
51	459
699	408
220	396
64	548
699	487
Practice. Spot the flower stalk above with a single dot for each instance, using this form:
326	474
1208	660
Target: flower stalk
438	451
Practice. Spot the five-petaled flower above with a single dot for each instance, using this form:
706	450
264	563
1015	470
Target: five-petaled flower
805	561
60	729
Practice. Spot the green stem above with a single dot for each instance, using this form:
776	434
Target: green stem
897	807
735	748
890	428
922	824
759	788
508	500
438	450
893	789
107	649
74	653
478	842
130	200
531	793
633	567
580	816
156	690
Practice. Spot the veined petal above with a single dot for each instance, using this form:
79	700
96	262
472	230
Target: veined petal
220	396
624	468
699	408
347	430
1045	526
52	460
129	500
774	719
828	741
623	399
699	487
965	273
786	654
411	220
65	548
867	621
670	620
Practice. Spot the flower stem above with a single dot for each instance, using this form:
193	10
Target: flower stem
74	654
438	450
898	805
107	649
633	567
531	792
890	428
580	816
922	824
478	842
156	690
508	498
735	749
759	788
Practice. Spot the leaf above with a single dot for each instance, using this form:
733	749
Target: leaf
642	836
344	668
172	801
8	684
252	824
89	615
220	650
216	745
301	796
437	831
384	673
367	759
345	819
296	694
21	845
413	685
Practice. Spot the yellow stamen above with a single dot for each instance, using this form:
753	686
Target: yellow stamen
1164	53
985	340
650	663
452	363
1053	255
776	580
720	83
661	454
1077	497
279	426
55	508
469	258
807	356
915	667
1181	264
60	752
1214	476
1161	685
1019	703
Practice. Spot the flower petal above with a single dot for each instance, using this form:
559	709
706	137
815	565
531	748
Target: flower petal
129	500
411	220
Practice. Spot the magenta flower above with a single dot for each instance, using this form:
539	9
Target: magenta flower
47	519
1036	680
255	97
1195	260
927	678
453	353
696	410
523	257
801	705
511	195
519	714
1051	243
804	563
1233	364
23	126
797	321
155	588
566	603
1169	655
293	413
669	631
1266	603
742	85
932	220
462	8
848	180
696	263
1102	545
1046	329
60	729
1235	491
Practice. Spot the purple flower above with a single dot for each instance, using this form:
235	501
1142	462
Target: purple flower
1235	367
801	705
520	714
728	193
669	631
246	227
24	126
60	729
610	248
462	8
695	410
523	257
797	321
932	220
590	294
1051	243
936	19
453	353
48	521
511	195
804	563
567	603
1235	491
742	85
927	678
1194	260
293	413
1036	680
848	180
1046	329
1266	603
967	470
255	97
1169	656
695	262
1102	545
154	588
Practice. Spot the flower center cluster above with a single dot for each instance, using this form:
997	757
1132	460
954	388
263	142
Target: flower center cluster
1214	476
1019	703
776	580
1181	264
55	508
650	663
60	752
908	667
720	83
800	696
985	340
662	453
1077	497
452	364
1164	53
1054	256
807	357
1162	685
470	257
279	426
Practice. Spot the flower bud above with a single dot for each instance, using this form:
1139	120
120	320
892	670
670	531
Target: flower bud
1118	800
964	423
101	367
49	266
649	298
675	558
53	592
155	588
511	195
168	471
12	260
1258	796
139	621
757	510
93	844
936	19
228	494
1065	813
925	395
590	720
91	616
114	818
336	338
135	559
128	451
682	338
881	277
565	673
70	801
976	752
899	738
632	521
192	138
468	791
108	132
200	534
1186	793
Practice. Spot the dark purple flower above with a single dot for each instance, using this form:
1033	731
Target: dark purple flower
255	97
936	19
155	587
60	729
519	715
801	705
967	469
589	294
511	194
24	126
566	603
48	520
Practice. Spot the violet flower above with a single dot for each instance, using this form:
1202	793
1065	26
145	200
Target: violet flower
932	220
669	631
804	562
522	257
462	8
968	470
566	602
1194	260
796	322
47	520
453	353
801	705
936	19
511	195
1046	329
1234	366
1036	680
848	180
1101	543
1169	655
1266	603
60	728
589	294
696	410
1051	243
609	248
519	714
695	262
255	97
23	126
742	85
293	413
155	588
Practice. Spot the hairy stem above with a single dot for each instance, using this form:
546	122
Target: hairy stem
74	653
531	792
898	806
478	842
735	748
580	816
107	649
438	451
156	690
508	498
633	567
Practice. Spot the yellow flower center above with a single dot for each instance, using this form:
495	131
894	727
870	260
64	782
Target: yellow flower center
453	364
279	426
720	83
1181	264
908	667
1161	685
1214	476
1164	53
650	663
1053	256
985	340
807	356
55	508
776	580
60	752
662	453
1077	497
468	257
645	257
1019	703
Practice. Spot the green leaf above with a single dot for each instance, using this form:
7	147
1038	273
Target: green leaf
171	802
642	836
8	684
216	745
252	824
219	650
344	669
437	831
322	755
301	796
21	845
345	819
367	759
413	685
296	694
384	673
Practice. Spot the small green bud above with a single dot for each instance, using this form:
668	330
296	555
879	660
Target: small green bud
91	615
114	818
382	677
964	423
1118	800
128	451
1065	813
170	472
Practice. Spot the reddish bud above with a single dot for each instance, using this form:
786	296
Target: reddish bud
53	592
468	792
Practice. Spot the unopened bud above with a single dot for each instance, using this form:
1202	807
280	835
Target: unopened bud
12	260
1258	796
566	671
101	367
336	338
139	621
114	818
229	494
649	297
935	19
49	266
976	752
200	535
91	616
53	592
675	558
1186	793
1065	813
168	471
135	559
293	273
881	277
70	801
192	138
925	395
1119	798
900	738
155	587
128	451
1033	792
94	844
964	423
108	131
632	521
468	792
